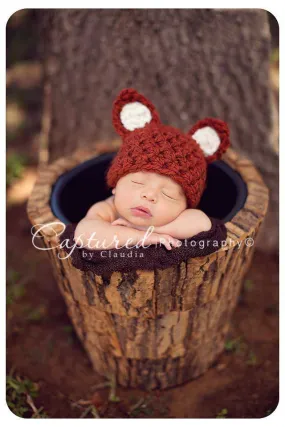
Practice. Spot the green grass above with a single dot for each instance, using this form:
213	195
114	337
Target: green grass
274	57
113	394
141	408
14	293
70	333
89	409
235	345
223	413
19	396
252	359
68	329
15	166
35	314
12	276
248	285
240	347
15	286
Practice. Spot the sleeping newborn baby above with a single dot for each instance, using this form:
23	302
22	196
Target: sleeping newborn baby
143	199
157	179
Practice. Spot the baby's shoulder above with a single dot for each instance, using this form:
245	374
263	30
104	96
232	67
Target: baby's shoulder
104	209
200	218
110	200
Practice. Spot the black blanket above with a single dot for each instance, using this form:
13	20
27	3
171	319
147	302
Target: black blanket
154	256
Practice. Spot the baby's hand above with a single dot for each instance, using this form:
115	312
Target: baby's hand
165	239
121	221
125	223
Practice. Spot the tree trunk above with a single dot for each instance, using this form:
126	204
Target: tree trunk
160	328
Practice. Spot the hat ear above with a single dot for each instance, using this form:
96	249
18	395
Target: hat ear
212	135
131	111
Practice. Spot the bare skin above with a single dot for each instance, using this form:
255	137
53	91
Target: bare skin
167	214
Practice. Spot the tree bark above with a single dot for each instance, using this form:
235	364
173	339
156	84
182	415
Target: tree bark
191	63
160	328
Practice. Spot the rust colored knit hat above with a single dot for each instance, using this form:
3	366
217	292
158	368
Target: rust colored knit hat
150	146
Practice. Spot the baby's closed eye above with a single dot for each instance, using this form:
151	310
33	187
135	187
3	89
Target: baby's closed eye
163	192
136	182
172	198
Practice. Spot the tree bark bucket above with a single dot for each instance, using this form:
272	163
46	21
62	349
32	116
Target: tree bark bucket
160	328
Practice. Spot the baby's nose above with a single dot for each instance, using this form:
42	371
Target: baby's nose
149	195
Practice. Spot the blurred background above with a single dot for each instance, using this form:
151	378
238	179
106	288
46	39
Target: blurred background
48	373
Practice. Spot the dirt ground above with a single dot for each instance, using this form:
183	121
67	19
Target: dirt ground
42	346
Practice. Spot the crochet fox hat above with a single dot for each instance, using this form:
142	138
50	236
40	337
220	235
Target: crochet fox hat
150	146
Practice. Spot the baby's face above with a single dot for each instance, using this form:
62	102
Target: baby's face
163	197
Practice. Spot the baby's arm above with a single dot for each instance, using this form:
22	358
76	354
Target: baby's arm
189	223
98	222
104	235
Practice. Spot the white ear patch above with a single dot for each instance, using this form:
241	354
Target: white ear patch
208	139
135	115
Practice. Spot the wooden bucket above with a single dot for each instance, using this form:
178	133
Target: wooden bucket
154	329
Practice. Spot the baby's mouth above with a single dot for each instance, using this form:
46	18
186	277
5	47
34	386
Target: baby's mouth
141	211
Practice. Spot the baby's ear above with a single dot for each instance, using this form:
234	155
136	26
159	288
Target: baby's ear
131	111
213	137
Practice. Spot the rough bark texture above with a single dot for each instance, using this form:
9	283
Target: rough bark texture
154	329
191	63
